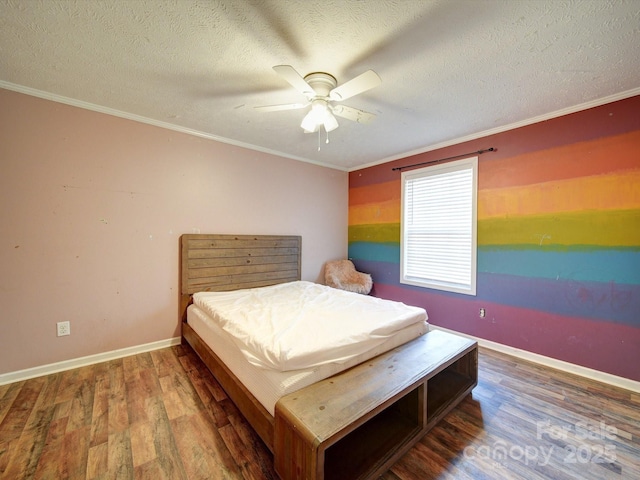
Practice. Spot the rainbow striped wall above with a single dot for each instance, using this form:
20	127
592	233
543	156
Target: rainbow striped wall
558	239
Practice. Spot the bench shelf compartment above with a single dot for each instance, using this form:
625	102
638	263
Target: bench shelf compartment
356	424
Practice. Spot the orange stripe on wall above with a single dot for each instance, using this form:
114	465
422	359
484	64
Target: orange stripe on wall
375	193
602	192
594	157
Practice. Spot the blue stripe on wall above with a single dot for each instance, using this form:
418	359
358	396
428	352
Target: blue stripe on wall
608	301
581	265
380	252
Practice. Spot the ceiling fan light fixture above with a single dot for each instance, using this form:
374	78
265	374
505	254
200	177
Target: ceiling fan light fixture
321	88
317	116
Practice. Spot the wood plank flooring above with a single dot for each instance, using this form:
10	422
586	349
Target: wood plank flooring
160	415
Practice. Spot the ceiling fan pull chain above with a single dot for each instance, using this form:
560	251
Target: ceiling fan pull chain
327	141
319	138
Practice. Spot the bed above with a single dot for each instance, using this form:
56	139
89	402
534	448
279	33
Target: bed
326	419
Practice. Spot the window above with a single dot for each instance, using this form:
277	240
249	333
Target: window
438	226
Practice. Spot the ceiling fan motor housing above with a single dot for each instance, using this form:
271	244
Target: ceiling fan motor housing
322	83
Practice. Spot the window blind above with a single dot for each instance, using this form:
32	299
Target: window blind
438	226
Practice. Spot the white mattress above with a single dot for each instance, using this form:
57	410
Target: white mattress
300	325
269	385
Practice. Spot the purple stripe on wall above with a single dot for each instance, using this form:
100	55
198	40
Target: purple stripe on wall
608	302
607	347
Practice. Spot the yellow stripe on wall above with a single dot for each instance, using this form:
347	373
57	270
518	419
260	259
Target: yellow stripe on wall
602	192
619	191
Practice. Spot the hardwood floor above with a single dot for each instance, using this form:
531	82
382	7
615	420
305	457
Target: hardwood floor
161	415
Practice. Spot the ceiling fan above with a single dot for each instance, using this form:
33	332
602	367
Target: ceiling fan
322	92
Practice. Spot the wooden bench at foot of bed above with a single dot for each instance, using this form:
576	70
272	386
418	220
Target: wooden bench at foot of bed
356	424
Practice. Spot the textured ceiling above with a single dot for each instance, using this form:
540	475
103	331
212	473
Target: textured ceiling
450	69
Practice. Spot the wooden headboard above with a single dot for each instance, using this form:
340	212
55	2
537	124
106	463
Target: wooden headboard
214	263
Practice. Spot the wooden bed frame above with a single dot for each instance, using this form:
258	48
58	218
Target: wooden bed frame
355	424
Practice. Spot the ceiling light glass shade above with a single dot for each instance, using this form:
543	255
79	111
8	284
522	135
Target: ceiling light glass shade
309	123
330	122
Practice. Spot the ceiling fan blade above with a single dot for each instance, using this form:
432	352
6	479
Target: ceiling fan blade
359	84
295	79
277	108
353	114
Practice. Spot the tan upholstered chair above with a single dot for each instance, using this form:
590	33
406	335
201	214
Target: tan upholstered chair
342	274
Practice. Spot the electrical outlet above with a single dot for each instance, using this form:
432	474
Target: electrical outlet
483	313
64	328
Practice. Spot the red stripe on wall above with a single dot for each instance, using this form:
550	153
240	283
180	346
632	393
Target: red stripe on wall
376	193
608	120
584	159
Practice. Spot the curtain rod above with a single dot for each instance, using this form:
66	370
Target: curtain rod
479	152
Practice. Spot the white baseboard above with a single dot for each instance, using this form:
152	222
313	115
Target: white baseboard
589	373
84	361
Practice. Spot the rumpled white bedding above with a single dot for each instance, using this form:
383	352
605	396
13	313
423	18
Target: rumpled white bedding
301	324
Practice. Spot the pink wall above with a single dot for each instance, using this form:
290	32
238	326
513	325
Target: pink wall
92	207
